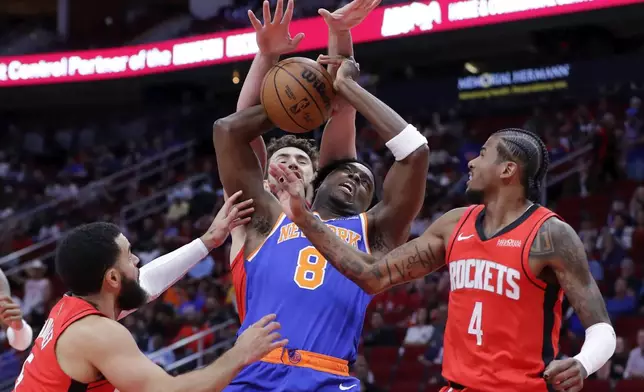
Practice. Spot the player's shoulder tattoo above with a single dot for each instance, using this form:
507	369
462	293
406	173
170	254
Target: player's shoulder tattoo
557	240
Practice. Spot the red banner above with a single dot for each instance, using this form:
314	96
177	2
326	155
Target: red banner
235	45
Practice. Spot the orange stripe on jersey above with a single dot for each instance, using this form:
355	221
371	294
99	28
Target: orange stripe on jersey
238	271
307	359
277	224
365	231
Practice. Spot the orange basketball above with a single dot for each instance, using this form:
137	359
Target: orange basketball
297	95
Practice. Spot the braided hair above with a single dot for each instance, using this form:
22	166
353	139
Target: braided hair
529	151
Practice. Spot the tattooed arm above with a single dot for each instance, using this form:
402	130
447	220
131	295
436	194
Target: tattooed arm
558	246
408	262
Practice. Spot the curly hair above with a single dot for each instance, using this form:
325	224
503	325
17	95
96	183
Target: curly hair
306	145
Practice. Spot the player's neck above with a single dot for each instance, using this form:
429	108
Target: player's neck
103	304
331	209
503	209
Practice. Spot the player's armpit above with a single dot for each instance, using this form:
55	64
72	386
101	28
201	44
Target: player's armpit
114	353
559	246
237	163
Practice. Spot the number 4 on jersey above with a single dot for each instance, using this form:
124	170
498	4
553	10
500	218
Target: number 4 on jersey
475	323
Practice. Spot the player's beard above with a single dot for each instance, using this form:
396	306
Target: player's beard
132	295
474	196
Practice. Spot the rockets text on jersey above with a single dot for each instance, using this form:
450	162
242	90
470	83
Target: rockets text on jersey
503	322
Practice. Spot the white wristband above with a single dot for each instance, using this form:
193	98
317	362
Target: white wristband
406	142
598	348
20	339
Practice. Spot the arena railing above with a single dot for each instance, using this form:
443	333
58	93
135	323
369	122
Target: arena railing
578	162
161	162
157	201
43	250
202	350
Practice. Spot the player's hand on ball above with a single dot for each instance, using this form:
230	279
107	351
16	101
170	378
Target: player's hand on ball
231	215
10	313
565	375
290	191
259	339
348	68
349	16
273	37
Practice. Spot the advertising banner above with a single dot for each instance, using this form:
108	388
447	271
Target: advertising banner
409	19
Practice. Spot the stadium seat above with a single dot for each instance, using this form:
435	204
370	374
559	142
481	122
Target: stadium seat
630	386
597	386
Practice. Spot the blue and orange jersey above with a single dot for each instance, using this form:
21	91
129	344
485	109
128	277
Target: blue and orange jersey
319	309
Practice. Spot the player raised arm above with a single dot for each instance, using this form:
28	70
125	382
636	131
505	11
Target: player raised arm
238	165
339	137
109	347
391	219
19	332
158	275
408	262
558	247
273	40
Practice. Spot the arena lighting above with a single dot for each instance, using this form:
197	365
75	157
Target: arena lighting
415	18
235	77
471	68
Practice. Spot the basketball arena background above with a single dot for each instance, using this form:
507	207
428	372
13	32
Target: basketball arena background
106	111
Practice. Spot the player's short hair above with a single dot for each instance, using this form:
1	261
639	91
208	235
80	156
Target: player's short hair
85	254
330	167
306	145
530	152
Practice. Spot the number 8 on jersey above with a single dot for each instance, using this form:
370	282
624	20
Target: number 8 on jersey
310	270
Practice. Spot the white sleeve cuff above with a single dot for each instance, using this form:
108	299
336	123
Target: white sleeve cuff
20	339
598	348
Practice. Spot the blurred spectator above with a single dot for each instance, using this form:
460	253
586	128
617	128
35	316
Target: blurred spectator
618	362
623	302
194	324
635	363
178	209
421	331
361	372
379	333
620	230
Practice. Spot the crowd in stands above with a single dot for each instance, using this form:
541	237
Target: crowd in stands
408	319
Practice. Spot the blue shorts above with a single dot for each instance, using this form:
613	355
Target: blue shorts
264	376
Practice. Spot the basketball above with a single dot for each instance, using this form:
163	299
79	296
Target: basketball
297	94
